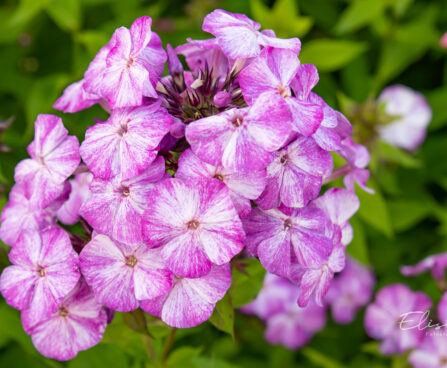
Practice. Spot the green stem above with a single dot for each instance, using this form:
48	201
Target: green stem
149	348
168	344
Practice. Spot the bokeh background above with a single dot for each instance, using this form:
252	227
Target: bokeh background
359	47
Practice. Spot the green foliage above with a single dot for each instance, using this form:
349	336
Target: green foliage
359	46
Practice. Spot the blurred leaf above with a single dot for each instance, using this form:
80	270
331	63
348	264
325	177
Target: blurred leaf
358	14
102	355
406	212
437	100
248	277
396	155
66	14
329	55
183	357
284	18
202	362
93	40
223	315
400	6
26	10
358	248
319	359
40	99
373	209
408	44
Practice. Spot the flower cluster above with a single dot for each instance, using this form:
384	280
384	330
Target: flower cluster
293	326
187	170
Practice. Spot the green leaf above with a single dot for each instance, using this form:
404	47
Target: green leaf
248	277
284	18
319	359
437	100
102	355
26	11
407	212
183	357
203	362
358	248
396	155
93	40
373	209
359	14
66	14
408	44
329	55
223	316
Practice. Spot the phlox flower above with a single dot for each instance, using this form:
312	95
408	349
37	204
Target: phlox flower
242	139
196	224
127	142
191	301
239	36
54	157
242	186
387	319
121	275
77	324
436	264
116	206
75	98
44	270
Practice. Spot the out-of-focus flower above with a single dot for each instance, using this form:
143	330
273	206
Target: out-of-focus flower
351	289
191	301
287	323
412	112
196	223
3	126
436	264
443	41
394	318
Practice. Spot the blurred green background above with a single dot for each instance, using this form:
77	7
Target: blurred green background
359	46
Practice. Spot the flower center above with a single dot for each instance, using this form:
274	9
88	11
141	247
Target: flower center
192	225
284	91
237	121
130	61
284	159
131	261
125	191
41	271
63	312
218	177
287	224
123	129
443	361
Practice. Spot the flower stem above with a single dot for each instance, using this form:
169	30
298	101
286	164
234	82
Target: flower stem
168	344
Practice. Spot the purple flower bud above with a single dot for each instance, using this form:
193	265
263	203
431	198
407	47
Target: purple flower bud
222	99
175	66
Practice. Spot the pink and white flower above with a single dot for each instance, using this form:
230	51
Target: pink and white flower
121	275
191	301
273	73
129	67
242	139
44	270
54	157
196	224
295	175
277	238
390	318
412	112
243	187
127	142
239	36
436	264
116	206
75	98
77	324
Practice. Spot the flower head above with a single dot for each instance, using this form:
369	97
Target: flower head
387	318
436	264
